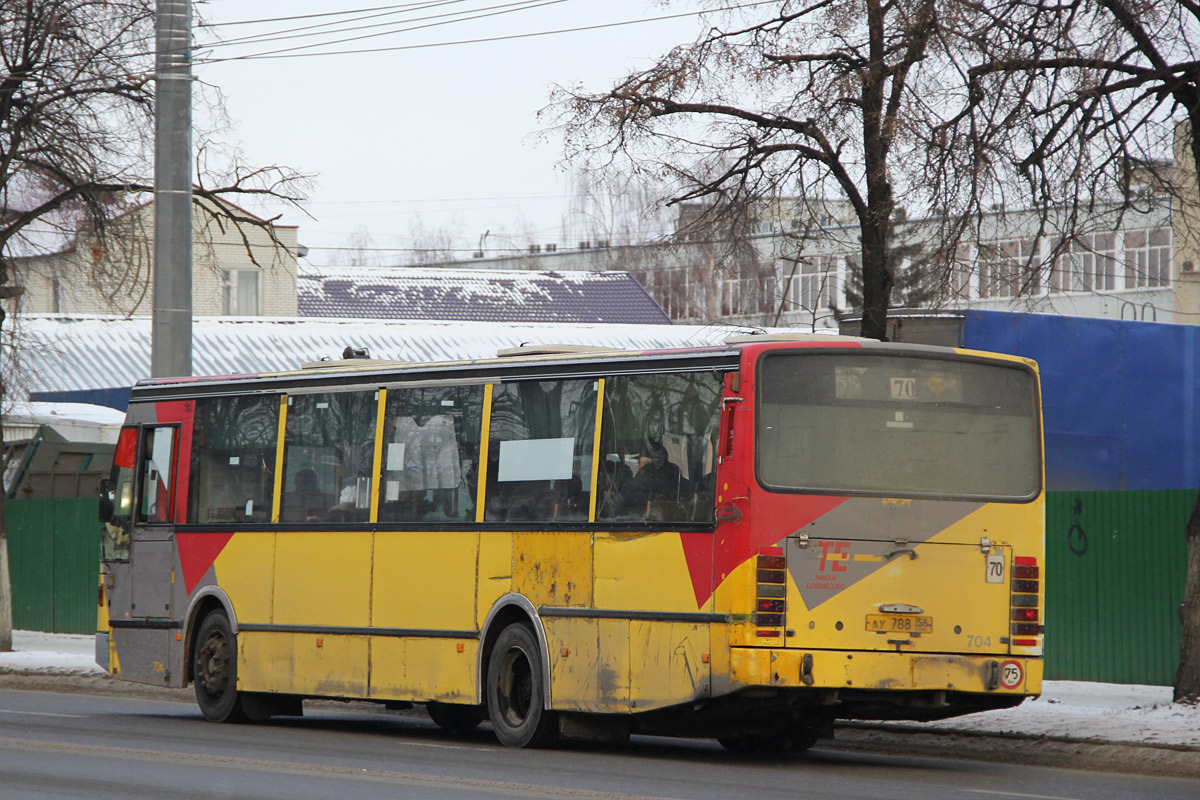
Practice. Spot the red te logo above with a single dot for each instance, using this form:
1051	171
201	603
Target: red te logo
838	547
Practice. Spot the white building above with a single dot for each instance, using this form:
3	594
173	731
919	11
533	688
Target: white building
227	278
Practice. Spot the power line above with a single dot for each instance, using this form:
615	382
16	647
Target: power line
458	16
328	14
438	200
482	40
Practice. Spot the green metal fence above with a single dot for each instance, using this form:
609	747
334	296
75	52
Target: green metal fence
54	559
1115	569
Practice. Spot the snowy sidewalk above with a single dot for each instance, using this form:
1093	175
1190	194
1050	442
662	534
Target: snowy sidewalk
51	653
1068	710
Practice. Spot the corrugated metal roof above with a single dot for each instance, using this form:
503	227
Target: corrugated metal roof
71	353
428	293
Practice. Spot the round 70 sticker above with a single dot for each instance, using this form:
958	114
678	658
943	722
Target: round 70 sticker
1011	674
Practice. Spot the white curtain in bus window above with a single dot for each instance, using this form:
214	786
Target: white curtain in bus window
431	451
158	448
329	447
540	451
233	459
658	447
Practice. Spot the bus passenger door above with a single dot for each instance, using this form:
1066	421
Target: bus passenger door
143	630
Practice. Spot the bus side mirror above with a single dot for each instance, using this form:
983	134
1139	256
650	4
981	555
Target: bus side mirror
106	499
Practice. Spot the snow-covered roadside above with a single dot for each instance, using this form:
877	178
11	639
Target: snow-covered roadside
1094	712
57	653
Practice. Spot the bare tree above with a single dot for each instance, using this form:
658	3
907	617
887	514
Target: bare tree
1076	105
433	245
76	144
608	208
828	101
357	249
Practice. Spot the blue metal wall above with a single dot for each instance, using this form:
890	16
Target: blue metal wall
1119	397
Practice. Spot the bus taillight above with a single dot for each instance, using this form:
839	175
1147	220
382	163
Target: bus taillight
1025	612
771	597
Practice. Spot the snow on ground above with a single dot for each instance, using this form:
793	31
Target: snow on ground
1100	712
1094	712
59	653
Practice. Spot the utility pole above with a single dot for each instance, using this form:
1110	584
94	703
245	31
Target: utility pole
171	325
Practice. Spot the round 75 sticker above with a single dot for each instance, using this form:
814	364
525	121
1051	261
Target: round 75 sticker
1011	674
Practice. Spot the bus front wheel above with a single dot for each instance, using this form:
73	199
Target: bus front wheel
214	670
516	690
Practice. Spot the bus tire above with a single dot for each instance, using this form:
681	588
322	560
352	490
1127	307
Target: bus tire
214	670
516	690
455	717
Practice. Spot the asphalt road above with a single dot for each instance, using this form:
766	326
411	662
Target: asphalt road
81	746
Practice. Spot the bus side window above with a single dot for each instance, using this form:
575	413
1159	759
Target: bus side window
232	476
658	447
329	447
431	453
540	451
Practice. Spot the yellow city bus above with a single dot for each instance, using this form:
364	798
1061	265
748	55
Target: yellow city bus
745	542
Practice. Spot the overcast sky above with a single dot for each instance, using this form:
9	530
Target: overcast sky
442	137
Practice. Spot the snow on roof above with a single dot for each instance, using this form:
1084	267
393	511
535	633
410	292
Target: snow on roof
58	353
430	293
36	411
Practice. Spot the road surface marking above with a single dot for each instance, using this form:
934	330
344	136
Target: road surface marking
42	714
1018	794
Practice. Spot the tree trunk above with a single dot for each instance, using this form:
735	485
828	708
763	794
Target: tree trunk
1187	676
876	272
877	284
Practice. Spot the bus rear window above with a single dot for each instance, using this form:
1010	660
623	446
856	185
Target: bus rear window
897	426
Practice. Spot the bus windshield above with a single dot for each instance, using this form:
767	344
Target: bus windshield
897	426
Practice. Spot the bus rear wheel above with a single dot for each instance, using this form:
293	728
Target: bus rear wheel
214	670
516	690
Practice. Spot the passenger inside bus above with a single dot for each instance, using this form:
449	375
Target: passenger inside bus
658	490
306	501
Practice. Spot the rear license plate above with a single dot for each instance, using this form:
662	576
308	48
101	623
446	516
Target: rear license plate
900	623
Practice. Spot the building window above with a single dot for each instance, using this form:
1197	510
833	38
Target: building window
240	292
816	284
731	297
1000	264
1147	258
958	281
1087	264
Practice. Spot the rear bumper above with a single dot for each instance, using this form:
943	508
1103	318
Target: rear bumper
885	671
